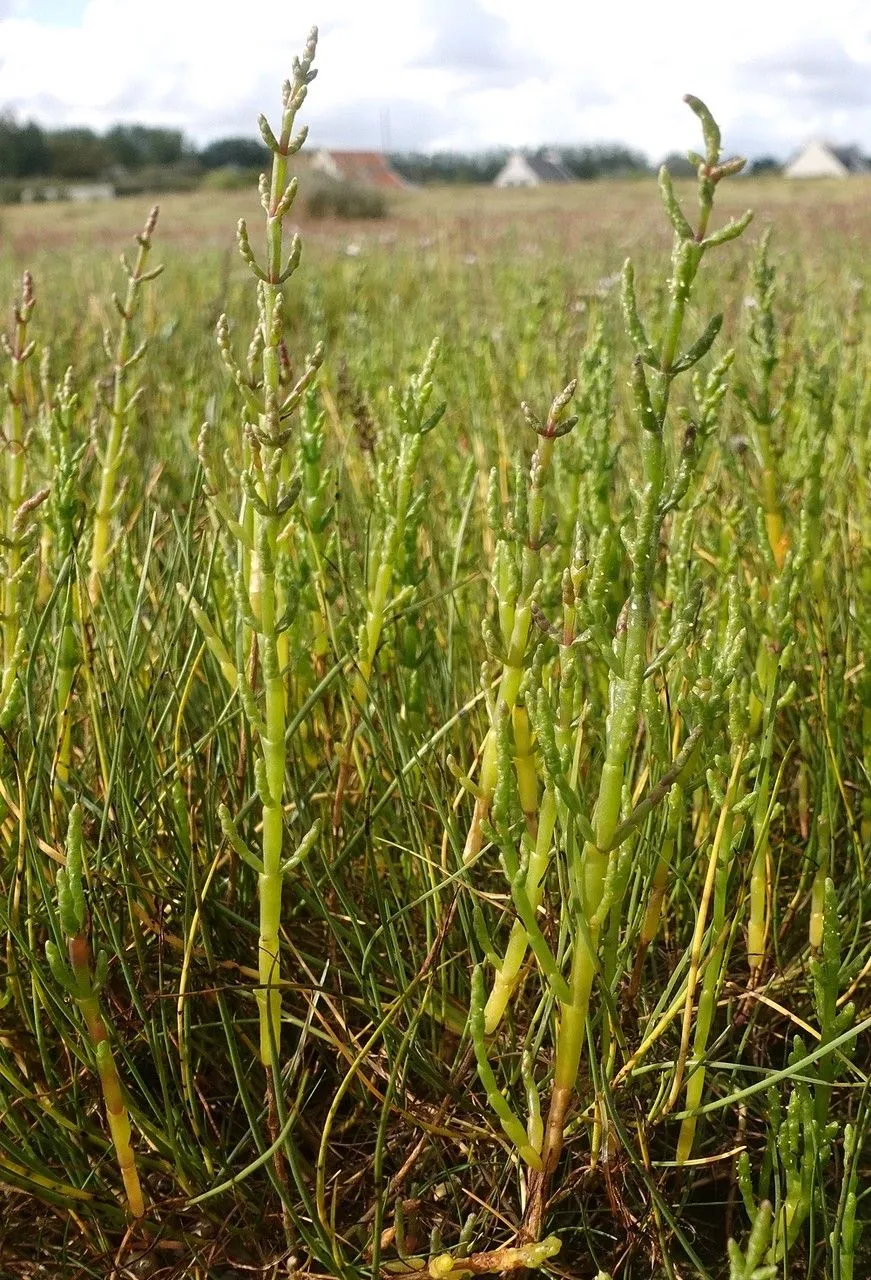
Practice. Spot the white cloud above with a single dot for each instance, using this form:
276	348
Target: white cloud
463	73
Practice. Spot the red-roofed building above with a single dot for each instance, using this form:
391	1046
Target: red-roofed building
361	168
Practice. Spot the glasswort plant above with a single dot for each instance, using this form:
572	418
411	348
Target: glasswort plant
268	493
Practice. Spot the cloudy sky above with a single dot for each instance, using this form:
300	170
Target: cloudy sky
433	74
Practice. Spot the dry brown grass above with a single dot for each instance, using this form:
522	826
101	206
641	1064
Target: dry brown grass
809	214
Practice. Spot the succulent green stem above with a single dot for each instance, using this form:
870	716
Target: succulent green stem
267	449
83	982
19	350
631	645
122	404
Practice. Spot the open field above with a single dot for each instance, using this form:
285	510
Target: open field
474	805
590	212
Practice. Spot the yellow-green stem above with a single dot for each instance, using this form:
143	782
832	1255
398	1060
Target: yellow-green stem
625	703
267	601
818	889
653	910
270	884
14	448
719	852
118	421
774	527
113	1097
508	974
65	676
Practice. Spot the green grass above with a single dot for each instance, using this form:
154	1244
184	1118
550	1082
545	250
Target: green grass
370	1146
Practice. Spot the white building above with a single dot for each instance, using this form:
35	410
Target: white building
818	159
522	170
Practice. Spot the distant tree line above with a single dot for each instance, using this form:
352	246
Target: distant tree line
482	166
448	166
29	151
603	161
